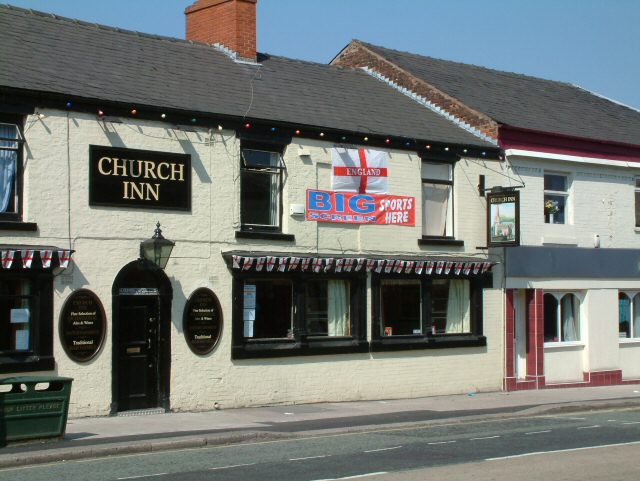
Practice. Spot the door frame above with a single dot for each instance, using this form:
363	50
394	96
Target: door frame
142	273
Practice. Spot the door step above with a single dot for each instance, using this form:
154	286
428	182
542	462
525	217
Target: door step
142	412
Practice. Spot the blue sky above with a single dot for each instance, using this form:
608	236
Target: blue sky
592	43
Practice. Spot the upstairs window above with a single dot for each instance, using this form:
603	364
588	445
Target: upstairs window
261	175
10	170
437	199
556	196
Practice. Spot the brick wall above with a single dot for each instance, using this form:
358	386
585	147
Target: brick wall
231	23
358	55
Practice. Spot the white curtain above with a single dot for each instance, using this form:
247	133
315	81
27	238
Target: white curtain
338	308
570	308
458	312
636	316
7	168
275	200
435	209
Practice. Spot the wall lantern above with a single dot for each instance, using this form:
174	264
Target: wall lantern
157	249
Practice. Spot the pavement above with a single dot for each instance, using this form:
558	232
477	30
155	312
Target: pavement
150	431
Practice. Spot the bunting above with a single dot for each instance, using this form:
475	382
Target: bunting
317	264
27	258
7	258
45	258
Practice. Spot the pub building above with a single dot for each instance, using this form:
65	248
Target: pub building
191	223
571	180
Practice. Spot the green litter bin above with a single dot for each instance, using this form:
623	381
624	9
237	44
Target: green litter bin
33	407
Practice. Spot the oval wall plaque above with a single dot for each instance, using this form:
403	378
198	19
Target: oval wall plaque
202	321
82	325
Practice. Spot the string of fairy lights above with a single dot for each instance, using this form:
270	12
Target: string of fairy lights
310	132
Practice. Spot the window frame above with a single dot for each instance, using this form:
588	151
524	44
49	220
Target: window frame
631	295
636	193
558	193
429	340
39	357
301	344
280	171
451	184
18	121
559	295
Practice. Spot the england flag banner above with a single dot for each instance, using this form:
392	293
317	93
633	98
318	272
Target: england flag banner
359	170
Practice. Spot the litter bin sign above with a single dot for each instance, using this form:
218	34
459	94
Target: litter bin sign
33	407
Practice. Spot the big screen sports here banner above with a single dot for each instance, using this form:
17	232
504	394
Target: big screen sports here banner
354	208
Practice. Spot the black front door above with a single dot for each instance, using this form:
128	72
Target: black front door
138	352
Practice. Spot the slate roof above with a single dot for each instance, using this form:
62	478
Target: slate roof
523	101
45	53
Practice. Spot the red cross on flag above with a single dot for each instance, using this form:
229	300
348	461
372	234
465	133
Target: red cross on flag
359	170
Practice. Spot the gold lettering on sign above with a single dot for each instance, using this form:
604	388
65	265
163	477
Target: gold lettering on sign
140	190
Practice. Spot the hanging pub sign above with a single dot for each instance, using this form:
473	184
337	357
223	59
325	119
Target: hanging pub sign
82	325
353	208
144	179
503	219
202	321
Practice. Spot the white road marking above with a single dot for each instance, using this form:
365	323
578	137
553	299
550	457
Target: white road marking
442	442
309	457
231	466
568	417
589	427
377	473
143	476
381	449
562	451
486	437
538	432
633	422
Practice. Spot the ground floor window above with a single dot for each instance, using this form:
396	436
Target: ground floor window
281	312
414	313
628	315
422	307
26	321
561	317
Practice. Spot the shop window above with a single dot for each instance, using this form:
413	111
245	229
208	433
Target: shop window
10	168
556	197
25	322
561	317
327	308
268	309
401	307
298	314
412	313
261	175
437	199
628	315
637	198
17	307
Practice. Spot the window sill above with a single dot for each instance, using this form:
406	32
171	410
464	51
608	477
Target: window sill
315	347
560	345
27	363
405	343
18	225
439	241
244	234
629	340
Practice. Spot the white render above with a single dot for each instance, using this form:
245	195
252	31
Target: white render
106	239
601	203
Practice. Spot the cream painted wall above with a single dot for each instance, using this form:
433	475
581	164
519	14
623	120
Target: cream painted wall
106	239
630	359
563	364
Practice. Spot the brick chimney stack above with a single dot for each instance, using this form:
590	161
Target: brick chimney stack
231	23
